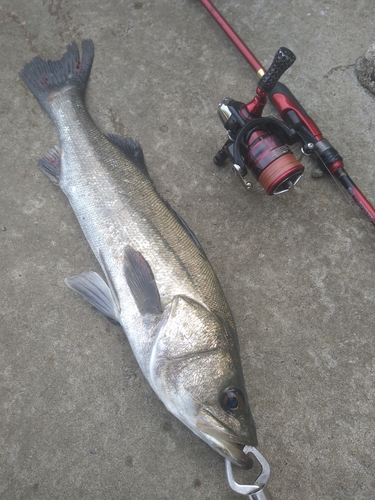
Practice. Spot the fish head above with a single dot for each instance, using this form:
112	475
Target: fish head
196	370
230	427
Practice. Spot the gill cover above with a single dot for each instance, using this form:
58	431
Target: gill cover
188	339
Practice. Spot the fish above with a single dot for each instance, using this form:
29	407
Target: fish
157	281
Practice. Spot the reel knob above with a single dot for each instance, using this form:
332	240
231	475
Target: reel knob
283	60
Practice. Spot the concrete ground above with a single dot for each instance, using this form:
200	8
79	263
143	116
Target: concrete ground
78	420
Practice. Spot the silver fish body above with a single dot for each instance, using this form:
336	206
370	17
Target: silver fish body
159	284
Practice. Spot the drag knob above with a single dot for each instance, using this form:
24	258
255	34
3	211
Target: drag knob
284	58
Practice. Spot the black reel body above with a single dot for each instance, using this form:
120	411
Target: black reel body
259	145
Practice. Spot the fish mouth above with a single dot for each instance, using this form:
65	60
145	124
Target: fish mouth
224	440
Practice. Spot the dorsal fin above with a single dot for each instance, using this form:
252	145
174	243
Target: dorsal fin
131	149
186	227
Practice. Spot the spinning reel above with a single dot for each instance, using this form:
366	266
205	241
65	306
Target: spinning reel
262	145
259	144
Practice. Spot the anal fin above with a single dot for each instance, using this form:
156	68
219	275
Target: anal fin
50	164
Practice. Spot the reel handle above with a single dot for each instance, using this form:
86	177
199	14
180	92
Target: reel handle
283	60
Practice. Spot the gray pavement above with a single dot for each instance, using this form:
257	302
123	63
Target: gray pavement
77	418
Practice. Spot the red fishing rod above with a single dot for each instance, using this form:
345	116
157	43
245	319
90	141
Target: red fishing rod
261	145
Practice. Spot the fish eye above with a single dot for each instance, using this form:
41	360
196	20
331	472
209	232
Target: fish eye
232	400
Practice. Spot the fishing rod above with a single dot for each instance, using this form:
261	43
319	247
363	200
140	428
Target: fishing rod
261	145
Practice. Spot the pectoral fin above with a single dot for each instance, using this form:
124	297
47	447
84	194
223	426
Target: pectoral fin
96	291
141	282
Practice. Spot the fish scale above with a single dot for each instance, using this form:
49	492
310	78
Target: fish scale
159	285
151	221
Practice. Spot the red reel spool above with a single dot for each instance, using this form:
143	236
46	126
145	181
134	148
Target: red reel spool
272	163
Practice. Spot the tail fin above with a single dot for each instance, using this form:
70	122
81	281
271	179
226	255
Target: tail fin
43	77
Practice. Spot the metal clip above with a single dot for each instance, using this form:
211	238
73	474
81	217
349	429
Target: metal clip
258	490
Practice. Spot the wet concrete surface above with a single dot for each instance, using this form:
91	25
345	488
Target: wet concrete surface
78	420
